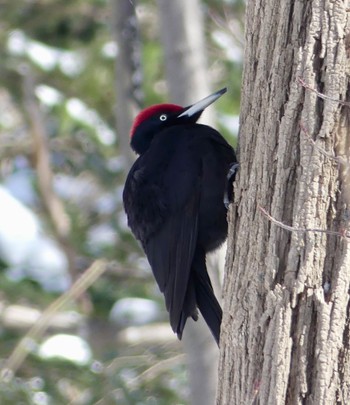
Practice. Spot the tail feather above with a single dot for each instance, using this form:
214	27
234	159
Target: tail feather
189	308
199	294
205	297
209	305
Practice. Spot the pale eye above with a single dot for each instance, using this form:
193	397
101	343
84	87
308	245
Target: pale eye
163	117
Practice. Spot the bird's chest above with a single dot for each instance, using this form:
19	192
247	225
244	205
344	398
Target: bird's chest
167	162
158	186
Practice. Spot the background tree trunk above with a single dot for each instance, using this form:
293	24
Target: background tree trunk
182	37
128	71
286	324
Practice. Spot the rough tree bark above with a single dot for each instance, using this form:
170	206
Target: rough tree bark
182	37
286	328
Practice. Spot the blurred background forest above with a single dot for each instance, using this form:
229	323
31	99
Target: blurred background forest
65	113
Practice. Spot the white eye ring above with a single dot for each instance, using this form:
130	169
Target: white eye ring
163	117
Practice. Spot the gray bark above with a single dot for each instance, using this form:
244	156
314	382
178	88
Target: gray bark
183	43
286	324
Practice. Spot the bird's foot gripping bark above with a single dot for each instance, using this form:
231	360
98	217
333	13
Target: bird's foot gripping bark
230	178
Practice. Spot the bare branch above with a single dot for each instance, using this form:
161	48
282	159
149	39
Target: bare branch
24	347
343	233
339	159
303	128
54	206
152	334
20	317
154	371
321	95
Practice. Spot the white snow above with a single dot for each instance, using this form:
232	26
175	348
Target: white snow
134	311
26	249
67	347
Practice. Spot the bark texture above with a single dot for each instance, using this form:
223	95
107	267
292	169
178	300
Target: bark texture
285	333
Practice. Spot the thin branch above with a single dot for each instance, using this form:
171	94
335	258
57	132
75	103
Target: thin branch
137	360
20	317
344	233
25	345
328	155
115	270
321	95
53	204
55	208
339	159
13	147
152	372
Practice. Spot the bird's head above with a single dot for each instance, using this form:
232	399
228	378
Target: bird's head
157	117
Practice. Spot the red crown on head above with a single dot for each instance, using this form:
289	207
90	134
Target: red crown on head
151	111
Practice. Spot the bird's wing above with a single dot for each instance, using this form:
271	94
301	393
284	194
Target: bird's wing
170	222
144	202
170	253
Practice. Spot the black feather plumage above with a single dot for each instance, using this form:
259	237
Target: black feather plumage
173	199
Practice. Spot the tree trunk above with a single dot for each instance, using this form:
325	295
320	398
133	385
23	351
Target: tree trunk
286	327
128	72
182	37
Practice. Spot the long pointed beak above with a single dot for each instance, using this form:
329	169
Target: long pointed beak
202	104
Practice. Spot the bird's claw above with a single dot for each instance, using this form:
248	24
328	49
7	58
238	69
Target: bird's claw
233	169
230	175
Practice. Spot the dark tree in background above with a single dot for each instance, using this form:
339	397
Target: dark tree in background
128	70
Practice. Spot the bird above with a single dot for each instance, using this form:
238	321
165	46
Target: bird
175	198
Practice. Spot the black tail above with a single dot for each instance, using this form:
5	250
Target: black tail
189	308
206	300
